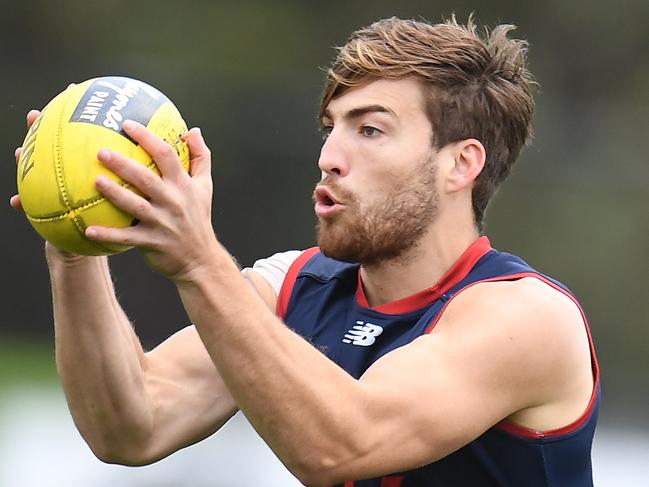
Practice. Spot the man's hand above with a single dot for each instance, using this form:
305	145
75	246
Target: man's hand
174	209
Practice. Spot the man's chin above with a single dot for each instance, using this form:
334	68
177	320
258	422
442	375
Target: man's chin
335	244
338	254
351	247
345	249
344	241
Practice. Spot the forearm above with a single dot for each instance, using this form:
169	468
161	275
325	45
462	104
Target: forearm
99	358
302	404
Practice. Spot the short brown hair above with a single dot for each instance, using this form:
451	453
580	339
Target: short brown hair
480	87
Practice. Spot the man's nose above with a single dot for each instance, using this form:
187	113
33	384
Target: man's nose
333	156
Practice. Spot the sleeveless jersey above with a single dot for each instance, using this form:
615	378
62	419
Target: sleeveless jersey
323	300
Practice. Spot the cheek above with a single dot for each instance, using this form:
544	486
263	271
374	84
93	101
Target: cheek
374	189
374	198
385	169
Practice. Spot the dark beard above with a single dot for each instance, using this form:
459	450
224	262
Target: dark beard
387	229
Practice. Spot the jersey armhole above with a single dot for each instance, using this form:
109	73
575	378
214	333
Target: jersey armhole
289	281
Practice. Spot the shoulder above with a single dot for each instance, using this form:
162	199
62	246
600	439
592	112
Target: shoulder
273	269
274	276
527	308
289	265
529	300
267	275
536	332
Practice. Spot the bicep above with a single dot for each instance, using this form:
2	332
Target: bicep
185	391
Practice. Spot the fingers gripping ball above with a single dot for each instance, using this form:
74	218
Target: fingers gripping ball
58	165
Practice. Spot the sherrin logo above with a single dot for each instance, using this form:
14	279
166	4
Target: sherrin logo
109	101
363	334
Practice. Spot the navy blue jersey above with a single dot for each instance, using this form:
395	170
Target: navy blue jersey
323	300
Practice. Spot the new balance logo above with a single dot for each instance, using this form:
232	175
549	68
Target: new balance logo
363	334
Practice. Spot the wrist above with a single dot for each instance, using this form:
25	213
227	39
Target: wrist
214	264
56	256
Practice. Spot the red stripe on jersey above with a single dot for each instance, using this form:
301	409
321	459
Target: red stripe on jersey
289	281
455	274
391	481
385	482
518	429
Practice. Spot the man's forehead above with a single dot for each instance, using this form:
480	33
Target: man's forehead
398	97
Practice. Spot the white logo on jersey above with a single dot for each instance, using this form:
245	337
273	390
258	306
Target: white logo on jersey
363	334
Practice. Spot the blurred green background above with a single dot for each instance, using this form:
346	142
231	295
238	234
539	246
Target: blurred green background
249	73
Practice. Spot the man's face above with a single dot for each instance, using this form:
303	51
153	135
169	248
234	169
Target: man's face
377	196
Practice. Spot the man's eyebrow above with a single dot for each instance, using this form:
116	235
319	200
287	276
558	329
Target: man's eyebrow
360	111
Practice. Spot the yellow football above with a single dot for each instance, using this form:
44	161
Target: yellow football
58	164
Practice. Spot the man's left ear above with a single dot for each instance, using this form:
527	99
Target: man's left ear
469	160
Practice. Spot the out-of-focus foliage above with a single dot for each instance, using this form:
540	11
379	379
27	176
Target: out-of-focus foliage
250	73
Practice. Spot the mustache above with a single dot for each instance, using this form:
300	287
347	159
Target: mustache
336	189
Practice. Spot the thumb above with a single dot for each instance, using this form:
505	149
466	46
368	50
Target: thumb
200	156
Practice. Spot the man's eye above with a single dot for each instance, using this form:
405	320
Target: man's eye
369	131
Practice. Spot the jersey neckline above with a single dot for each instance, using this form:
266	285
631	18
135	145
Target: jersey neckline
454	275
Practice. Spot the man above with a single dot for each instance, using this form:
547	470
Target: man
407	351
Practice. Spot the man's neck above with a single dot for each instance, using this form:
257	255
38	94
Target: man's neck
419	268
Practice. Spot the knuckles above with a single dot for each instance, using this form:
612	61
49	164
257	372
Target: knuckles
141	208
148	180
163	150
